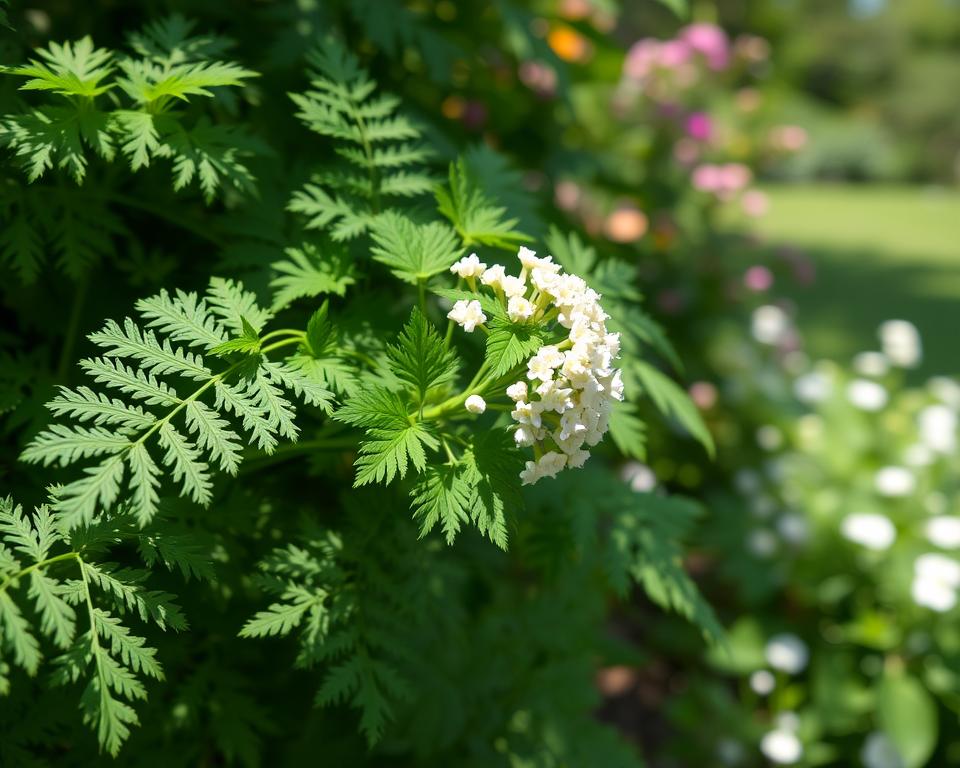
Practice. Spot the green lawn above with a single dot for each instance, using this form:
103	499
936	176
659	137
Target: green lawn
880	253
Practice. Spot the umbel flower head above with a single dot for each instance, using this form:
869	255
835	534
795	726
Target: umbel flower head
562	407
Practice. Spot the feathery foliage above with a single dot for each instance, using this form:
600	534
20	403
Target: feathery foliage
169	69
107	657
190	381
381	150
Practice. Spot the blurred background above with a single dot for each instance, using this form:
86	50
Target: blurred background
787	175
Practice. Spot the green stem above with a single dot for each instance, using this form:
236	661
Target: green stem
284	332
422	296
42	564
73	326
363	357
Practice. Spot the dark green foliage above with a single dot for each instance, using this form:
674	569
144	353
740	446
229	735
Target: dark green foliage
359	574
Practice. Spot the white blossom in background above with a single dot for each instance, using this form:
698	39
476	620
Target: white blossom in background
866	395
467	314
782	746
938	428
762	682
475	404
812	387
918	455
943	531
900	342
770	325
769	437
787	653
936	578
638	476
946	390
869	530
762	543
793	528
879	752
747	481
563	408
730	751
874	364
894	481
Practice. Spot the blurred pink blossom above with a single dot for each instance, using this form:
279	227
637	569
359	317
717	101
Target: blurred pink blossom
567	195
755	203
758	278
710	41
703	394
686	152
699	126
641	58
539	78
724	181
788	138
674	54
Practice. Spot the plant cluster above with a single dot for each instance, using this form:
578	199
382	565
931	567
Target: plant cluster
269	418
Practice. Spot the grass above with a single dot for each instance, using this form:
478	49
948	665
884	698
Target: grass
880	253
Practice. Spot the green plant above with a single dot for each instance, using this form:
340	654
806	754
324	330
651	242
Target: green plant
306	446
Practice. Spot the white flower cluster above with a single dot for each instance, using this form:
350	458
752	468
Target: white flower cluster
565	404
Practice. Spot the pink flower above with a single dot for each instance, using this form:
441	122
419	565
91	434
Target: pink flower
641	58
699	126
674	54
707	177
788	138
735	176
539	78
758	279
710	41
755	203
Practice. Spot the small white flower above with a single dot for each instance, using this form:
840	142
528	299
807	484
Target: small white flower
901	343
946	390
467	314
879	752
528	258
639	476
918	455
874	364
787	652
518	391
519	309
813	387
469	266
513	286
769	324
793	528
475	404
782	747
894	481
938	428
762	682
493	276
866	395
870	530
769	437
936	578
524	436
943	531
527	413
